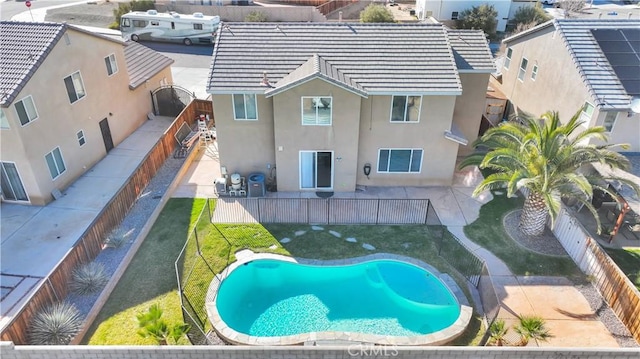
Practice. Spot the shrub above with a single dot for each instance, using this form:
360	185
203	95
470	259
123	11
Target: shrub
89	278
530	14
55	325
531	327
255	16
498	331
153	326
483	17
116	239
376	13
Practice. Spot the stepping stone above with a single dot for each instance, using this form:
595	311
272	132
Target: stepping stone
317	228
335	234
368	247
285	240
299	233
406	245
273	246
351	240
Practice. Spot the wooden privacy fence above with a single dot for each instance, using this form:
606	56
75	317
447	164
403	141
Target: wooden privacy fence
614	286
322	211
55	286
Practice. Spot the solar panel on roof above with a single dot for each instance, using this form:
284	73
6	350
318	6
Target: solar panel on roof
621	47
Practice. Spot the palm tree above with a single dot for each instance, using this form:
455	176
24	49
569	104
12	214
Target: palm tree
498	332
153	326
544	158
531	328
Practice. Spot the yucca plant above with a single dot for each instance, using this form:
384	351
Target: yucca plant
89	278
56	324
153	326
532	327
116	239
498	331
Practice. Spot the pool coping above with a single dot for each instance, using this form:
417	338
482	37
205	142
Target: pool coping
437	338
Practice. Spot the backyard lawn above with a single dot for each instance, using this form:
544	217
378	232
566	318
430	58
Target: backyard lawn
488	231
151	277
628	260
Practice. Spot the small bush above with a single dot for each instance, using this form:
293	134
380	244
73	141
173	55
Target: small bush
89	278
116	239
376	13
255	16
55	325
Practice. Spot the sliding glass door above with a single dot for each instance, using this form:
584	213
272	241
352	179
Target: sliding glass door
12	189
316	170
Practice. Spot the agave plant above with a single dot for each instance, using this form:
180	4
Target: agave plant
531	327
498	331
55	325
116	239
89	278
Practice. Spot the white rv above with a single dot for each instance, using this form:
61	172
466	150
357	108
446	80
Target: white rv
170	27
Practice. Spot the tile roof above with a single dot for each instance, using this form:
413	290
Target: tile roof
471	51
316	67
591	62
143	63
376	58
23	46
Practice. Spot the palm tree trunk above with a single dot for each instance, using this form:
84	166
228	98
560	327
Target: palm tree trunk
534	215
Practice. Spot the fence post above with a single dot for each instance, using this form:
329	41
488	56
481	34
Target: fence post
377	211
426	217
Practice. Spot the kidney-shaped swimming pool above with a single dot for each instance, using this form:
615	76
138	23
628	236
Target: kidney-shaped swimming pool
274	298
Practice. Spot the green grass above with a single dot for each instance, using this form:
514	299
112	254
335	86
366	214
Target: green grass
629	262
151	278
488	231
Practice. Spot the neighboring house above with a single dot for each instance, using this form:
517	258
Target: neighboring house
568	65
67	97
448	11
335	105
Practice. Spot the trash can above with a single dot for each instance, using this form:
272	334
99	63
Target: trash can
256	185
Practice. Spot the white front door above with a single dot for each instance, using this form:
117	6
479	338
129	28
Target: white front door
316	170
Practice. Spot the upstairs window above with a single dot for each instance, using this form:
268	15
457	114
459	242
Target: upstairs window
507	58
55	163
316	111
405	108
587	112
26	110
112	66
75	87
245	107
523	69
610	121
81	140
4	123
392	160
534	72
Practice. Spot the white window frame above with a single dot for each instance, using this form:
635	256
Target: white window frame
507	58
81	139
534	72
4	121
522	72
316	98
15	106
84	89
233	104
410	160
111	60
406	108
584	115
613	123
56	162
21	183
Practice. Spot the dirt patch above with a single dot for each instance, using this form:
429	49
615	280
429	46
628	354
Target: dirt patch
544	244
99	14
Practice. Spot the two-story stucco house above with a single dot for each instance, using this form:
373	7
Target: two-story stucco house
568	65
335	105
67	97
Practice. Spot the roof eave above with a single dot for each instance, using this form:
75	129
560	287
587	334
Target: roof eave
277	90
530	31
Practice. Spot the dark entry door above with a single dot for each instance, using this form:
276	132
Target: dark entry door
106	135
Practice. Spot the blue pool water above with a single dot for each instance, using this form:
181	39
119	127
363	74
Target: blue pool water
276	298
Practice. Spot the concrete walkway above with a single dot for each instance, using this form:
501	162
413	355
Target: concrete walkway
565	310
35	238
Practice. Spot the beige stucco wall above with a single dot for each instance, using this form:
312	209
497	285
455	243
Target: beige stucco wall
292	137
59	121
558	86
470	107
376	131
244	146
